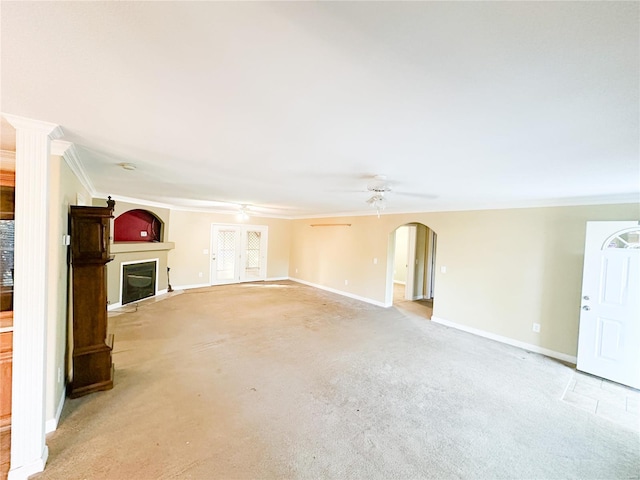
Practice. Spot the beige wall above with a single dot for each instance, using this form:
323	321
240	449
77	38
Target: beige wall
329	256
506	269
64	187
191	233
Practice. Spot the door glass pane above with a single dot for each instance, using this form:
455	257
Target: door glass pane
252	255
226	255
625	240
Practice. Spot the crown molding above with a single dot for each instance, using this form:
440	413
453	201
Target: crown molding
136	201
183	208
51	129
616	199
70	155
58	147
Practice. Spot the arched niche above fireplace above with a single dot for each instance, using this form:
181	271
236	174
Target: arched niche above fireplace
137	226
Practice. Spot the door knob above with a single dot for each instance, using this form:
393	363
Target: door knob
586	307
586	297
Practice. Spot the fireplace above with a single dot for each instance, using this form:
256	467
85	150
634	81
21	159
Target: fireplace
138	281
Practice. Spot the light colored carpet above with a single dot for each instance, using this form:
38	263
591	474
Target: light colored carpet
280	380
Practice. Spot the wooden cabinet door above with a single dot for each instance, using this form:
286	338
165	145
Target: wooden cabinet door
6	355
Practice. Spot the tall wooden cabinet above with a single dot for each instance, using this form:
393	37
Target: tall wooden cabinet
92	367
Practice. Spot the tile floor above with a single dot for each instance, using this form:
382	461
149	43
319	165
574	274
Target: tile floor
606	399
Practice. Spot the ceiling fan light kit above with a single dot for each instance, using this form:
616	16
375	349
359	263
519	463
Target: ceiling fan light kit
379	186
242	214
378	202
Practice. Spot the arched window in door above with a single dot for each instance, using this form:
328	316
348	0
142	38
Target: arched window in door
628	239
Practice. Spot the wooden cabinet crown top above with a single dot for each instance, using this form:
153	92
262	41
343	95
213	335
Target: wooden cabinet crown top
90	228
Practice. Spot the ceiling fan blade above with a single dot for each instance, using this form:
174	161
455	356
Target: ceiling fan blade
428	196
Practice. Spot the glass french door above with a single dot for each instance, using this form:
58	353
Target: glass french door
239	253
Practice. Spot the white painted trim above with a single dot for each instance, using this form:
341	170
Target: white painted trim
399	282
23	472
509	341
188	287
113	306
340	292
231	210
276	279
504	205
29	451
58	147
52	423
51	130
72	159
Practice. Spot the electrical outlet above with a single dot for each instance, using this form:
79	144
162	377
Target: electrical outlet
205	251
143	233
346	282
536	327
375	261
296	270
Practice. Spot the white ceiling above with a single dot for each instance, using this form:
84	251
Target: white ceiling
292	106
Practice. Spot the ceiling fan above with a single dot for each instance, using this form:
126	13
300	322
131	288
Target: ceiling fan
379	186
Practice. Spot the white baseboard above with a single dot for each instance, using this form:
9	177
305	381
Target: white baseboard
52	423
340	292
113	306
276	279
23	472
509	341
187	287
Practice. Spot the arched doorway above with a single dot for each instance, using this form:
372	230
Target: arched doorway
411	272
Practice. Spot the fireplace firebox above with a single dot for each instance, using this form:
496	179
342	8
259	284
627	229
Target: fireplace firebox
138	281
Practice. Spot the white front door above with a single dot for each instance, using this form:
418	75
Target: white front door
609	338
239	253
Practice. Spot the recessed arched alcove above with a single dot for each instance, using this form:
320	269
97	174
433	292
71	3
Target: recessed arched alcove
137	226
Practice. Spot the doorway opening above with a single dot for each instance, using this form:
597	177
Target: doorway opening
411	272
